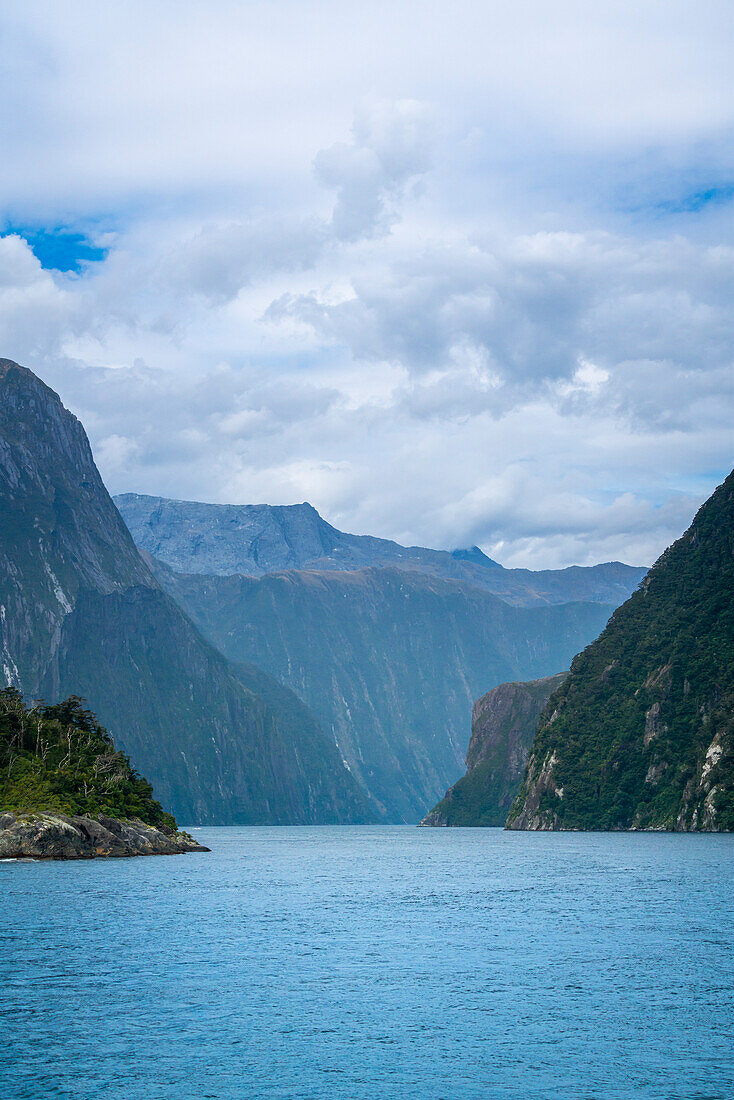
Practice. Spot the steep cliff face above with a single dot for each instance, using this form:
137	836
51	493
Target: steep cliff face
389	661
503	727
640	736
256	539
60	531
216	752
81	613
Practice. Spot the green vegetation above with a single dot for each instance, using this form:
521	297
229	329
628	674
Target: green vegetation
503	726
478	799
59	758
643	729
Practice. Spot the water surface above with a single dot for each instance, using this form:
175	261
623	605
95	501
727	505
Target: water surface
362	962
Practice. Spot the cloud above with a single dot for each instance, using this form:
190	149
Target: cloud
454	275
495	380
493	375
390	148
36	310
507	318
228	104
218	261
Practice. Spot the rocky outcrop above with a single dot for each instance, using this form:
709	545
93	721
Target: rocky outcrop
503	727
257	539
56	836
81	613
641	734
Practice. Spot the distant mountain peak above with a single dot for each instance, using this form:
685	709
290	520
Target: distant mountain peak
475	555
257	539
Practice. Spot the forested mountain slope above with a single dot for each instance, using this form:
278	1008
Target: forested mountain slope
640	736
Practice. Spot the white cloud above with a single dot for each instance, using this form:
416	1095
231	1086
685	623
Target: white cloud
35	309
441	270
391	147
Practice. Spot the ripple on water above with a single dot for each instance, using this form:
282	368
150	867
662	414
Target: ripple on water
366	962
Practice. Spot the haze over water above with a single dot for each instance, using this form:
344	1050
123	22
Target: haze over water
359	962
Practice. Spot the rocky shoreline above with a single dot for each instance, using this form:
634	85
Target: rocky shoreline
46	835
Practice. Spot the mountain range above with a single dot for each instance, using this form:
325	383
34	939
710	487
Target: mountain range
388	645
390	661
337	691
81	613
257	539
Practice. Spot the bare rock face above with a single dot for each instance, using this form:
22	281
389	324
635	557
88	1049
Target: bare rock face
503	726
53	509
56	836
257	539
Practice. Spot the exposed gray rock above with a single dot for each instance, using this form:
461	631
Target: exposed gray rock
256	539
56	836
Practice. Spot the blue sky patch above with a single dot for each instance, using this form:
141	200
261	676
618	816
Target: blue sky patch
697	200
59	249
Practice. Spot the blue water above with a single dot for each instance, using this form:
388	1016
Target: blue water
373	962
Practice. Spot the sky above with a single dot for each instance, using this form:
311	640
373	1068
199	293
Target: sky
454	272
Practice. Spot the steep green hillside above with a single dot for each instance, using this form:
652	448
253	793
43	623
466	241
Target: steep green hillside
60	758
503	727
81	613
640	736
389	661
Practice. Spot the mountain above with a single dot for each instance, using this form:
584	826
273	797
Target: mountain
389	661
641	734
257	539
476	556
388	645
502	730
82	614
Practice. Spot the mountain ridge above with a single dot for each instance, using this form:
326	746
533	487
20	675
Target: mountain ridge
258	539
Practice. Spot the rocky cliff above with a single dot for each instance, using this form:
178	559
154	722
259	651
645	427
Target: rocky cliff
81	613
256	539
641	734
60	534
503	727
390	661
